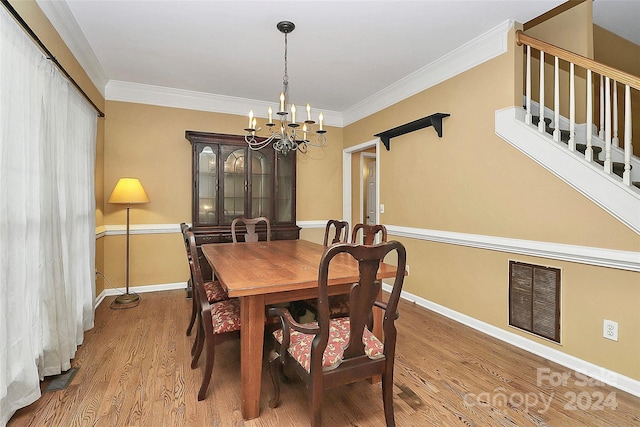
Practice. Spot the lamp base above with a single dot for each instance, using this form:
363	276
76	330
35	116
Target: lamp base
127	298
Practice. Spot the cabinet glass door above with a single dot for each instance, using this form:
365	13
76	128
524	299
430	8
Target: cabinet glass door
286	188
207	185
234	186
261	184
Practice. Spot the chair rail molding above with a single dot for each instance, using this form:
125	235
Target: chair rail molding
602	257
622	260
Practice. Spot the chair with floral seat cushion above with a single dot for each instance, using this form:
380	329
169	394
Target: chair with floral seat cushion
333	352
217	322
335	231
215	291
339	304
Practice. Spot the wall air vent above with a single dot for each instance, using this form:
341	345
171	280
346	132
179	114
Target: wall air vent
534	299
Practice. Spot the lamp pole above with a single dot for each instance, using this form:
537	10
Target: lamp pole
127	298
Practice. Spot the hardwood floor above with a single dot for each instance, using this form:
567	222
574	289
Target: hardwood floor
134	371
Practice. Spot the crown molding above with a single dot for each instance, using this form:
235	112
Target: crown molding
62	19
192	100
481	49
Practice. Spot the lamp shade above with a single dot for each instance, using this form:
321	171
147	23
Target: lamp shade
129	191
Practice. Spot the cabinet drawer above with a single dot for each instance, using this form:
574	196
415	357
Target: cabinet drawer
205	239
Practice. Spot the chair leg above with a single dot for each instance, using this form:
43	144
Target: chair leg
195	342
387	397
208	369
198	344
315	403
194	309
275	366
198	334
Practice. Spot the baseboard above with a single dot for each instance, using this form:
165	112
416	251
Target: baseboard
599	373
139	290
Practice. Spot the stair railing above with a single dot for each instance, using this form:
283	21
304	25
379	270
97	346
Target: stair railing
608	106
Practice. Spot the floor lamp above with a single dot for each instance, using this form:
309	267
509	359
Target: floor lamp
128	191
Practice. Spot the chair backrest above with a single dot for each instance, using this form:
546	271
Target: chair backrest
369	232
336	232
250	225
361	299
194	262
185	228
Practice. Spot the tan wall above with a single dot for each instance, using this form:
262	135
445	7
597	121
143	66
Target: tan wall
613	50
471	181
571	30
147	142
33	16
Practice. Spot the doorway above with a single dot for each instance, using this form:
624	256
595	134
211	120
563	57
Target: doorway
368	195
372	148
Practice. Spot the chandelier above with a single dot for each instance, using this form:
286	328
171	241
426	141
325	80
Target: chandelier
285	134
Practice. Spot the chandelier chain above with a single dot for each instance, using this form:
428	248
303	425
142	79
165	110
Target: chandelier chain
285	79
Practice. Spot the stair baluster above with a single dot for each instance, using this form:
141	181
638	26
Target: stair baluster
628	148
588	153
607	126
556	99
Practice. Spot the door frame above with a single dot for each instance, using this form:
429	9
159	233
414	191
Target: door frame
347	182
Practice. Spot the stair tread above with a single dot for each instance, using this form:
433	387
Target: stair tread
616	167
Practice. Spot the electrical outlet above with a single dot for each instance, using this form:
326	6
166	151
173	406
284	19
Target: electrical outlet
610	330
406	268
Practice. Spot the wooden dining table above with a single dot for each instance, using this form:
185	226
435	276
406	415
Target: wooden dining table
264	273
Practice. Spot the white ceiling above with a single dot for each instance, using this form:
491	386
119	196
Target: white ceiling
341	52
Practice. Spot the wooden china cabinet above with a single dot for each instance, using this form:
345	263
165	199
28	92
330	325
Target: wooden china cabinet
231	181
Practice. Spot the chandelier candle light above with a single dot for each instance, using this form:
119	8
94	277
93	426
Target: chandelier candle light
287	137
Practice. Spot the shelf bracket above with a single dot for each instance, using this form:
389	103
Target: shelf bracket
434	120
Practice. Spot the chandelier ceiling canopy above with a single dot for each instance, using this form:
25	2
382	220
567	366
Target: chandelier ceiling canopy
286	133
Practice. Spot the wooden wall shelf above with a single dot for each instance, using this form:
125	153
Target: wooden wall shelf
434	120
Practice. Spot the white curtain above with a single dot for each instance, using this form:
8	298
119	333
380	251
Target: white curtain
47	219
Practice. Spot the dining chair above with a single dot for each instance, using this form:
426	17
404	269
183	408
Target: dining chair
215	291
338	304
337	351
217	322
338	229
297	307
250	225
369	232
